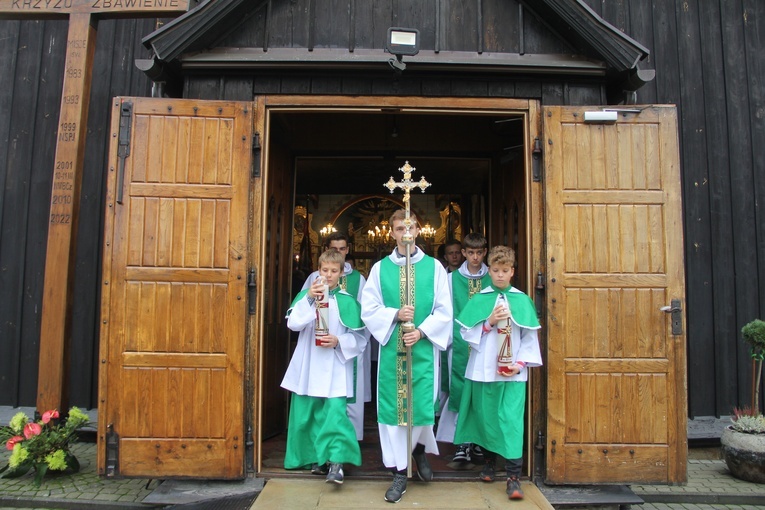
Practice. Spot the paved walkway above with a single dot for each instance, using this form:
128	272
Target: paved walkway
709	487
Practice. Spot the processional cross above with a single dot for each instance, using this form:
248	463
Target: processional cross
68	163
407	327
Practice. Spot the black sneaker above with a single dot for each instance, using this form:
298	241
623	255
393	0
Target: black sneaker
319	470
514	488
487	473
397	489
463	453
335	474
424	472
476	453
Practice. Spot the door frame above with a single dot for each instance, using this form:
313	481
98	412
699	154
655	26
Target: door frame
530	110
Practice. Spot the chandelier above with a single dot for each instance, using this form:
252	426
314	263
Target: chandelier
326	230
378	235
427	232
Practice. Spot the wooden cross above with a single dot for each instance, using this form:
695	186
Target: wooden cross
83	17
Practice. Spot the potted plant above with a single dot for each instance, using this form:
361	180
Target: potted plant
41	445
743	442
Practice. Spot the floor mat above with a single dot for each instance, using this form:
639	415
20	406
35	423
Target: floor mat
186	492
302	494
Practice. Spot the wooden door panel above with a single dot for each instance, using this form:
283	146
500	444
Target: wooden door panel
616	387
174	311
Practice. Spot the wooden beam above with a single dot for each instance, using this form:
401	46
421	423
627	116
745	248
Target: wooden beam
56	321
62	9
55	326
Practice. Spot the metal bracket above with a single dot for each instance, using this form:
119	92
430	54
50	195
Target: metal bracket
252	288
539	294
536	160
112	452
123	139
256	155
677	316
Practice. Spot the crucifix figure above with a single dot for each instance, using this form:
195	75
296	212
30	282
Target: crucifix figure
83	18
407	184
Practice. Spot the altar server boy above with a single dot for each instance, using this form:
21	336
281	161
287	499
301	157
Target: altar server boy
500	324
320	374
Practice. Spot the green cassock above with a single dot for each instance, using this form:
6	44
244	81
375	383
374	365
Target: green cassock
463	289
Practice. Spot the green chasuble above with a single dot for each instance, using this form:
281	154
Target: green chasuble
478	309
349	309
350	283
463	289
391	398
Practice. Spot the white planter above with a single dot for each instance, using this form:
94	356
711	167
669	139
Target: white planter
744	454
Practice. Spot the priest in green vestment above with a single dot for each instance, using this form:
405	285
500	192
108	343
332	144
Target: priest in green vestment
383	309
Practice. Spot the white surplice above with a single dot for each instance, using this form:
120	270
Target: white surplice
321	371
363	367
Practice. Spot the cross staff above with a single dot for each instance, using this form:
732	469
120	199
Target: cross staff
407	327
83	17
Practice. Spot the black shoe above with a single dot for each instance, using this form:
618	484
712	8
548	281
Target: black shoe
397	489
319	470
487	473
424	472
335	473
476	453
514	488
463	453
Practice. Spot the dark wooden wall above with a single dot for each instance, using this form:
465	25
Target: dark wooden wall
708	61
32	57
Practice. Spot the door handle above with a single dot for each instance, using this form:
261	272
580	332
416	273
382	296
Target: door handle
675	310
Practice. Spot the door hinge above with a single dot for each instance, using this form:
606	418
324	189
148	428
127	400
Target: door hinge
249	449
539	457
539	294
536	160
112	451
252	290
256	155
676	311
123	140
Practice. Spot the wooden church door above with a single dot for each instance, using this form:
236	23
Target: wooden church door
174	303
615	300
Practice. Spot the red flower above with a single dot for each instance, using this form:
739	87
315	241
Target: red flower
12	442
49	415
32	429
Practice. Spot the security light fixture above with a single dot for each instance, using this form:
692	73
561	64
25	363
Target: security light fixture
601	117
402	41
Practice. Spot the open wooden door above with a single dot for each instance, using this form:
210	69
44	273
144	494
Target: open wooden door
277	222
614	246
171	387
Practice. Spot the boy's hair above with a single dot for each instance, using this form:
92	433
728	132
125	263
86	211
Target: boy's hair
501	255
331	256
451	242
336	236
400	215
475	241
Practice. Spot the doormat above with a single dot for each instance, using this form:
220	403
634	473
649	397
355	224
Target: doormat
228	503
185	492
585	495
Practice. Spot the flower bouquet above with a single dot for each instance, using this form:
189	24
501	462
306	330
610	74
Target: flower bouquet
41	445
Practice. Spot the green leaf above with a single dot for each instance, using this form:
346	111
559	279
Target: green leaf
40	470
18	471
72	463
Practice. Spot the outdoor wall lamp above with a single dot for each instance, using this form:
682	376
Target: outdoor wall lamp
402	41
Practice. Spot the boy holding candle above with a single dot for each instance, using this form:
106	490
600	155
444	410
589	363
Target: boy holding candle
320	373
500	324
